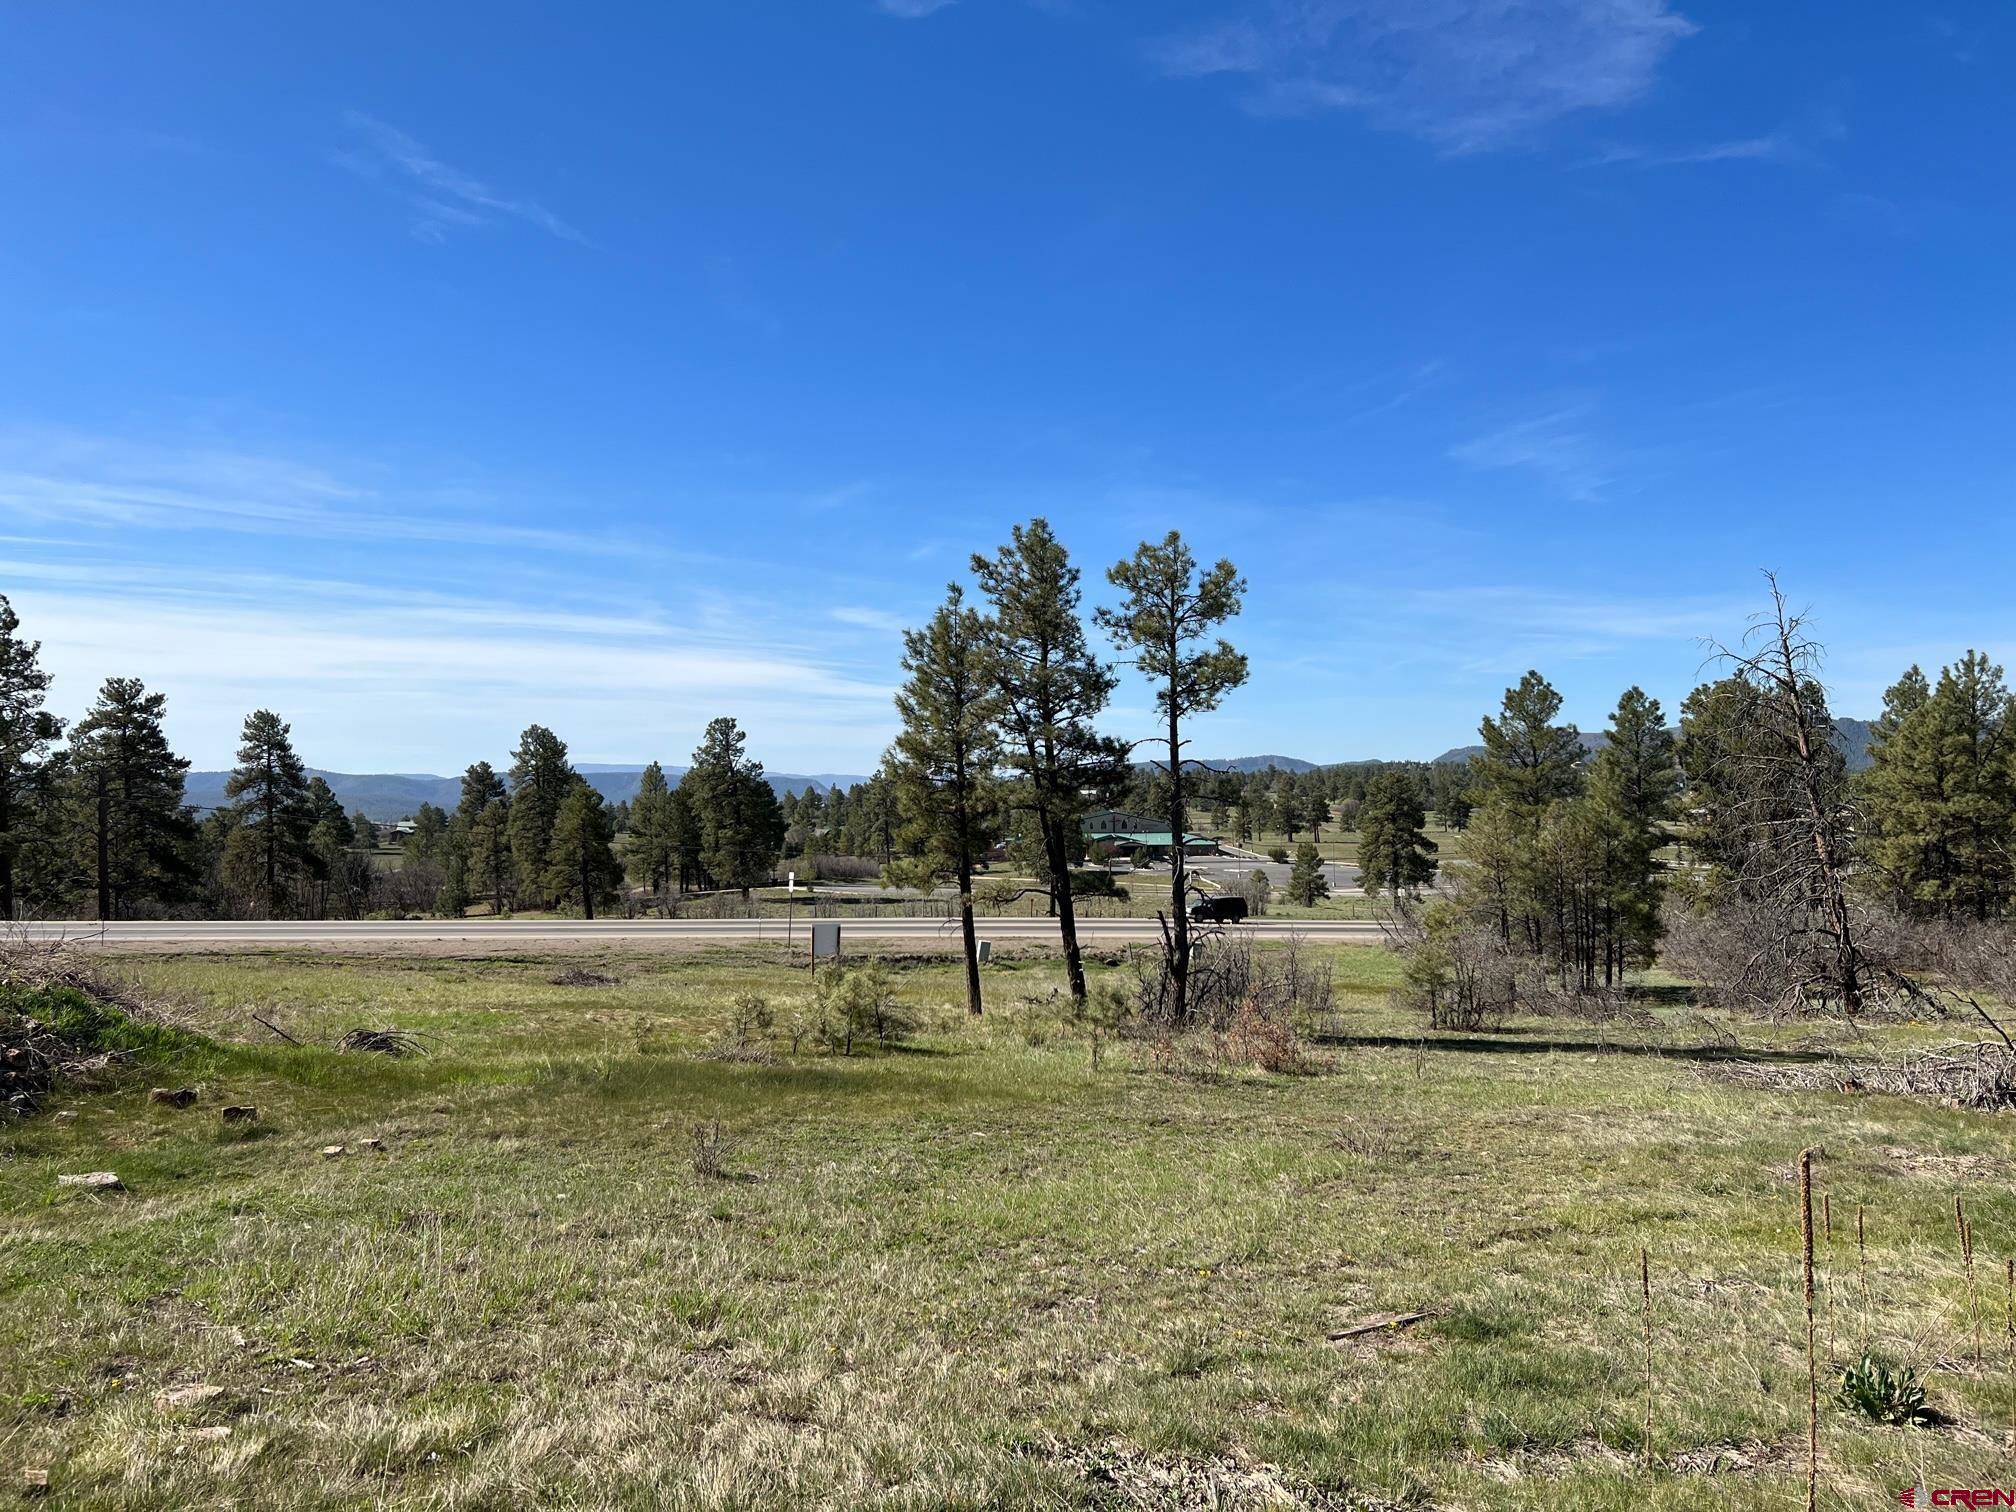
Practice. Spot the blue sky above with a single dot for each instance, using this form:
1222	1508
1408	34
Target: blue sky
424	371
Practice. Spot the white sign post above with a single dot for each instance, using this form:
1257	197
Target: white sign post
790	905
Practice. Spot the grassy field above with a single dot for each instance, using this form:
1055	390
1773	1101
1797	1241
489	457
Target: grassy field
974	1271
1339	845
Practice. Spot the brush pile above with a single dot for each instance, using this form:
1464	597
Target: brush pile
64	1023
393	1042
1979	1075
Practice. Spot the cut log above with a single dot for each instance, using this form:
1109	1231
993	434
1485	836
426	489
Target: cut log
1379	1323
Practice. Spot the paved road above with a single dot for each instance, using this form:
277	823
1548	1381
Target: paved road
621	931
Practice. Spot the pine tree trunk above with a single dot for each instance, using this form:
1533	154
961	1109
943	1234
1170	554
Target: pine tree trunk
1179	964
104	852
972	943
1061	901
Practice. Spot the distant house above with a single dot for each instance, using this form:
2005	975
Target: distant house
1115	822
1112	832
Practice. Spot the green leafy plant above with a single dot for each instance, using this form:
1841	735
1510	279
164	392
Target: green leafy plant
1884	1393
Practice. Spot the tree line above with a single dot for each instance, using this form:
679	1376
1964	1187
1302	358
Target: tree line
94	820
1786	881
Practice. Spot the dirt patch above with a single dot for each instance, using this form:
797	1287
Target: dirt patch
581	976
1124	1475
1955	1167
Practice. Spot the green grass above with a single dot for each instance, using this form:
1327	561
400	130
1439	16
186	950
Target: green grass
940	1276
1340	845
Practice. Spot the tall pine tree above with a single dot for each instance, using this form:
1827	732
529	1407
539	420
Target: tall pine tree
581	859
946	758
653	852
268	849
27	730
541	779
1941	792
1168	621
741	824
1052	692
1634	791
1395	855
128	793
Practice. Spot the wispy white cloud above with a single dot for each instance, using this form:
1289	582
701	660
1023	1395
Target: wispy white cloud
870	619
1466	75
442	197
379	676
912	10
1560	447
1776	147
80	479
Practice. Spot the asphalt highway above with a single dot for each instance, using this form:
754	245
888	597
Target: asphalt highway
310	933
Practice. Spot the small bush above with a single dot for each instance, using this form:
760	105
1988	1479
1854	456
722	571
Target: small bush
1091	882
858	1002
1460	974
750	1023
1884	1393
1257	891
1278	854
712	1149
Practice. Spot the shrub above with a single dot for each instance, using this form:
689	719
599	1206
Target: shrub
1257	891
1095	883
1278	854
1884	1393
712	1149
856	1002
1459	973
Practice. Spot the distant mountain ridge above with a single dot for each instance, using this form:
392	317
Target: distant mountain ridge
1851	738
386	796
1244	763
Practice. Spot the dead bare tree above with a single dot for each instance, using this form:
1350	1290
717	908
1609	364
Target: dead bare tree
1787	819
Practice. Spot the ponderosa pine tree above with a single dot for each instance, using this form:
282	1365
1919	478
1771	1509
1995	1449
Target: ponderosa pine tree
740	823
1941	792
268	848
479	840
581	861
127	788
1634	792
27	731
946	758
1306	883
1395	855
1167	620
653	852
1052	692
1316	812
541	779
1528	764
1528	761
